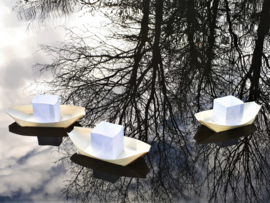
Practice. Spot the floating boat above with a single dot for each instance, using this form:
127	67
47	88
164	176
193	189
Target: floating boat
133	148
23	115
251	109
136	169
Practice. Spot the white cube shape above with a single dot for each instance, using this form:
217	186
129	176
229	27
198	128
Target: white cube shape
46	108
107	140
228	110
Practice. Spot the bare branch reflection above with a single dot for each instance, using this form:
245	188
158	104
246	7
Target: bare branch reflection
157	64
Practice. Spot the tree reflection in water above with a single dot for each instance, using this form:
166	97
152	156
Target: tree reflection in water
171	177
238	173
172	59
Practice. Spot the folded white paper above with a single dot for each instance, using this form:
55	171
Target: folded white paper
228	110
107	140
46	108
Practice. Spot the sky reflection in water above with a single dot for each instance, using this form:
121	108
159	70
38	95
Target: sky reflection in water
30	173
194	56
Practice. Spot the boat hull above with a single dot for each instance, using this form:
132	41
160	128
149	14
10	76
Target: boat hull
23	115
133	148
251	110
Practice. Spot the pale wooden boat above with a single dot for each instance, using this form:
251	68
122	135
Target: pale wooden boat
251	109
23	115
133	148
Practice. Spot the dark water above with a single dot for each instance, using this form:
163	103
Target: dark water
175	58
212	168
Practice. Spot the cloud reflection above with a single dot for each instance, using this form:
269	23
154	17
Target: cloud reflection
28	172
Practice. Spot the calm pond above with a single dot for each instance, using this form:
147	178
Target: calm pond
157	65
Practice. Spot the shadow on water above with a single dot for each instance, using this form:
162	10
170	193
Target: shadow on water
41	131
204	135
45	136
174	176
138	168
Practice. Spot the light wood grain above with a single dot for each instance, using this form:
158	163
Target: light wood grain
23	115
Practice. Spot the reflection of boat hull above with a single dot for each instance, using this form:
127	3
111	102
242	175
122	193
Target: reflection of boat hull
204	135
137	169
41	131
23	115
105	176
45	136
51	141
227	143
122	162
133	149
251	109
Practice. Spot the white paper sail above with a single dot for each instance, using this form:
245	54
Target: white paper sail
133	148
